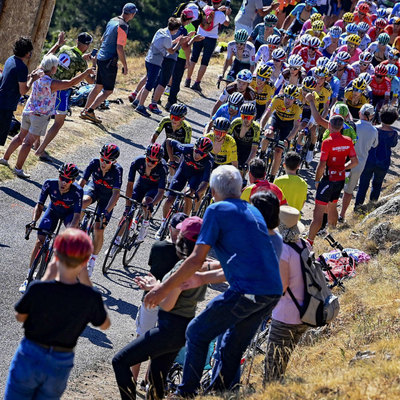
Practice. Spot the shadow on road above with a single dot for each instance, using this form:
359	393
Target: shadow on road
20	197
97	337
126	140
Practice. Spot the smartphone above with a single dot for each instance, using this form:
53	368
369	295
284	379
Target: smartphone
94	52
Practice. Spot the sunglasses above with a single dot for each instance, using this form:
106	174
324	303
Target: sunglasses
247	117
289	97
294	68
342	62
261	78
232	107
65	179
151	160
379	76
364	64
105	161
219	134
175	118
199	152
311	48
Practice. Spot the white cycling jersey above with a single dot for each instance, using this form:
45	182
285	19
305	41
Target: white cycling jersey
248	55
356	66
263	54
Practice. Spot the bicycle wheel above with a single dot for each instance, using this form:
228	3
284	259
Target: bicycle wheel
205	202
114	249
44	262
36	265
269	158
130	245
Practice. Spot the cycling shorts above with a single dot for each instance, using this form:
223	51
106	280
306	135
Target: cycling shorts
181	178
283	127
62	101
328	191
50	220
102	201
237	66
141	191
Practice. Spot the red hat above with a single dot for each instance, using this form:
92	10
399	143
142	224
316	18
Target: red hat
188	13
190	228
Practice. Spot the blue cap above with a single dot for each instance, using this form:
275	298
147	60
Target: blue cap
129	8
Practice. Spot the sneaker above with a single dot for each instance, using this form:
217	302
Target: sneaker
167	107
135	103
341	219
132	97
142	111
187	83
154	109
90	116
3	161
90	266
21	174
143	232
24	285
167	90
158	234
196	87
309	156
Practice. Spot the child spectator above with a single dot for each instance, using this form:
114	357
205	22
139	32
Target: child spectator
54	314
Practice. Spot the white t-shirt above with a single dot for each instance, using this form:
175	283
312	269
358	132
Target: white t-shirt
286	311
248	12
367	137
219	19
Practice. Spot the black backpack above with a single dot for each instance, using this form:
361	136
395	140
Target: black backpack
320	306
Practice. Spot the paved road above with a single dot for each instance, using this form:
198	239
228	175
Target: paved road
17	199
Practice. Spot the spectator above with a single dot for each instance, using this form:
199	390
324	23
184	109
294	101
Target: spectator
163	343
253	291
286	327
38	109
72	60
257	174
367	138
45	356
293	187
378	161
111	50
215	16
161	44
14	83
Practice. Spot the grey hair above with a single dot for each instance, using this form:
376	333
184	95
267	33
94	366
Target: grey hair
48	62
227	181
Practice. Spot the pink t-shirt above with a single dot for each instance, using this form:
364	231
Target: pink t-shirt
286	311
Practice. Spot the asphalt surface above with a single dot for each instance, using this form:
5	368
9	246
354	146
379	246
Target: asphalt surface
121	296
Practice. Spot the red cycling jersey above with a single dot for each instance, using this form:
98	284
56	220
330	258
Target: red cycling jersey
382	88
297	48
335	150
309	62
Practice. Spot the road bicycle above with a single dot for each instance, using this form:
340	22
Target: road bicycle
270	153
89	220
205	202
125	236
44	254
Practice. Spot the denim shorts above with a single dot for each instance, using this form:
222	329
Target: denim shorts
38	373
153	71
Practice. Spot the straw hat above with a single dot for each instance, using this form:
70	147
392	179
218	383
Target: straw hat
289	219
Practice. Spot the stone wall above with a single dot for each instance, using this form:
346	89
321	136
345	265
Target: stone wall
24	18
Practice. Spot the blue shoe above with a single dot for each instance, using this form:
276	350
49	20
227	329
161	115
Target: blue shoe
142	111
154	109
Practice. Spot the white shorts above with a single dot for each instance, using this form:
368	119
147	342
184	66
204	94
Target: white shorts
35	124
146	319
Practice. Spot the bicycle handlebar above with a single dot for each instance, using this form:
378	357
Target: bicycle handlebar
30	228
130	199
181	194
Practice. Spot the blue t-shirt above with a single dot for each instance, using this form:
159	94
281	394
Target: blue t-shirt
379	156
157	177
335	86
395	86
116	33
14	71
223	111
277	244
104	184
258	33
62	203
237	232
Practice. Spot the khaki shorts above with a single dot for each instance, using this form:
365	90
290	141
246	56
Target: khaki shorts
146	319
35	124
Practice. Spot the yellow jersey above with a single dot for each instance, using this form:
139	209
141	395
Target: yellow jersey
266	93
294	189
348	95
286	114
324	94
312	33
228	152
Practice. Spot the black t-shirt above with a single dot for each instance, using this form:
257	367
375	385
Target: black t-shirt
162	258
58	313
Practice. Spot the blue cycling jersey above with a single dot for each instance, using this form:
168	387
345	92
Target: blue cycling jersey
103	184
61	203
258	33
157	177
395	86
296	12
335	86
223	111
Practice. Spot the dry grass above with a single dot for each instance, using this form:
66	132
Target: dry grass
76	133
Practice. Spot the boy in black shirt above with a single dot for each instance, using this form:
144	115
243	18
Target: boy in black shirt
54	314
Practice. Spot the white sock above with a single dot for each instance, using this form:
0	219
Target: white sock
146	222
93	257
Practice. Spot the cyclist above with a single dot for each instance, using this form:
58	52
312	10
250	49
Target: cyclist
282	116
317	30
331	41
351	47
304	39
65	204
263	88
393	30
264	53
345	72
263	30
246	133
150	186
380	49
293	75
230	110
310	54
363	28
333	80
277	63
104	189
351	29
394	84
241	85
393	60
308	24
302	12
355	96
194	168
241	53
347	18
363	64
380	85
224	146
362	14
377	29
